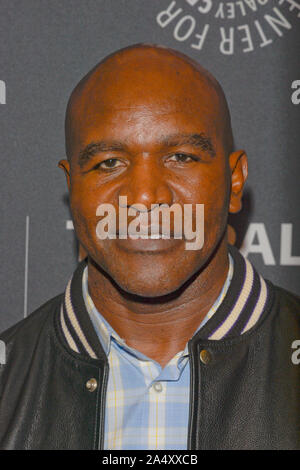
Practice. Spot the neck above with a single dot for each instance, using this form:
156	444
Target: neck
160	329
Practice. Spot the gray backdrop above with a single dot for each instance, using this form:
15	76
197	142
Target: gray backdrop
46	46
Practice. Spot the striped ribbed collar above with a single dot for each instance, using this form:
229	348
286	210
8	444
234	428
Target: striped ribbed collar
104	330
247	299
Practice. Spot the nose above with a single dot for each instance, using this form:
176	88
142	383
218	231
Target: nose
147	184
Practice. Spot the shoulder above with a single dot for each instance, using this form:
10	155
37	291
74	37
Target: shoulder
283	314
29	329
287	301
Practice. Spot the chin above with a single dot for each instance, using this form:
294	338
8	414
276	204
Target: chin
153	282
149	289
148	275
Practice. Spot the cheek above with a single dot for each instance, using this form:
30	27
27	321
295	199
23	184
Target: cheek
209	188
83	206
84	197
213	191
216	208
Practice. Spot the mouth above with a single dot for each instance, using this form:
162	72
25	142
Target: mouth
157	236
150	245
147	232
150	238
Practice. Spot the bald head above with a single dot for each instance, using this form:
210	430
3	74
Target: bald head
151	125
146	77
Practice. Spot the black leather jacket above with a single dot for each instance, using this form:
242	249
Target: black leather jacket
244	394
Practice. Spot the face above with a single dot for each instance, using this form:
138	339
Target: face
156	138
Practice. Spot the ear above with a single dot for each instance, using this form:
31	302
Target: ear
65	165
238	163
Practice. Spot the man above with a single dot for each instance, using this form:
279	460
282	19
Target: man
153	345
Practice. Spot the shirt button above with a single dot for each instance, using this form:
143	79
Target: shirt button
157	387
205	356
91	385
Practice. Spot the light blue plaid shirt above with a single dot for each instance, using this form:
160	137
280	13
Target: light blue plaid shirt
147	406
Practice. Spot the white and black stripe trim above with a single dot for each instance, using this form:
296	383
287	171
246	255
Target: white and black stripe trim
259	307
67	335
247	299
72	330
238	306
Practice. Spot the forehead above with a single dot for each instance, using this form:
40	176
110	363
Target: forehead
142	81
143	95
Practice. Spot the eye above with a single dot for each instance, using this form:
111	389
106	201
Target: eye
181	158
108	164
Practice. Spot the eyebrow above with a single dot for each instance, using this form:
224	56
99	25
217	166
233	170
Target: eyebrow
197	140
97	147
175	140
